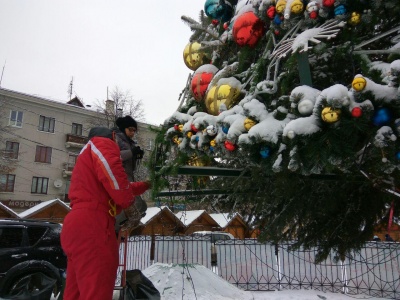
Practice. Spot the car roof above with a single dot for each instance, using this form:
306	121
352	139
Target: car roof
211	232
28	222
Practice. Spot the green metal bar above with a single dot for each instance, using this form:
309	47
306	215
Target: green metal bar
193	193
209	171
304	69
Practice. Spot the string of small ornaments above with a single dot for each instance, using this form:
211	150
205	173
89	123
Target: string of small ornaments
219	93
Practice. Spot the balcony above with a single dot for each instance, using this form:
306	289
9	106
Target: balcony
75	141
67	169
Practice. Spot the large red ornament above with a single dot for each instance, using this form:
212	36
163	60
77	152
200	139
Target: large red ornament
328	3
201	79
356	112
229	146
248	29
215	22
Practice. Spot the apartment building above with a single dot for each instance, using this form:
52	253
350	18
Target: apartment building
40	140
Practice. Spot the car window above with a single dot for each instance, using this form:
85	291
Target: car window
35	233
11	237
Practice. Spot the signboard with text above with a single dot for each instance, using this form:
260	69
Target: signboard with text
20	204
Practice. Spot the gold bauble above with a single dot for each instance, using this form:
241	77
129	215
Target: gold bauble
248	123
189	134
355	18
193	56
359	83
180	127
221	94
176	140
213	143
195	161
297	6
330	115
280	6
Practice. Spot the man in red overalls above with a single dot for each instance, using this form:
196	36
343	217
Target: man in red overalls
98	191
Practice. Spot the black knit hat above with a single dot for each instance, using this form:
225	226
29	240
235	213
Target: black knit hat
101	132
125	122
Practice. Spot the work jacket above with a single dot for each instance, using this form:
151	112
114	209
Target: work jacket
99	181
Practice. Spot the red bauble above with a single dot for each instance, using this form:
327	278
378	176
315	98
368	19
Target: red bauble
176	127
276	32
226	25
271	11
229	146
200	84
328	3
248	29
313	15
194	128
201	79
215	22
356	112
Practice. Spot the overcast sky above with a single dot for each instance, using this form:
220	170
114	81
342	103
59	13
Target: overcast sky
135	45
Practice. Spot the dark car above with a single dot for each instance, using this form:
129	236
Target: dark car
30	253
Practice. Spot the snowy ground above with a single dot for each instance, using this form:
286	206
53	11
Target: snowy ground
196	282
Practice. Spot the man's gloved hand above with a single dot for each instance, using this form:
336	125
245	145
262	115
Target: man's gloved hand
137	152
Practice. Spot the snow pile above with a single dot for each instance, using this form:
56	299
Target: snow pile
192	282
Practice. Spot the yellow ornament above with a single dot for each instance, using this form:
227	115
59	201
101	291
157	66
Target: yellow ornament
297	6
196	161
359	83
193	56
330	115
227	92
248	123
213	143
180	127
176	140
355	18
280	6
189	134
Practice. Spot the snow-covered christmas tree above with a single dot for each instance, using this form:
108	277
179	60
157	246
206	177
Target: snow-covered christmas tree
304	96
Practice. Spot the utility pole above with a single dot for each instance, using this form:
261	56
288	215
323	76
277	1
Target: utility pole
70	88
2	72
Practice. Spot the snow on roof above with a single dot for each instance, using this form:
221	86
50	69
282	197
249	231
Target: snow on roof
9	210
42	206
223	219
187	217
151	212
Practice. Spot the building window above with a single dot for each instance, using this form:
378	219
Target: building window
76	129
16	118
39	185
46	124
7	183
12	149
149	144
43	154
71	161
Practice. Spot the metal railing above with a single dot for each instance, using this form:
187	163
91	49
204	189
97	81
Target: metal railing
373	270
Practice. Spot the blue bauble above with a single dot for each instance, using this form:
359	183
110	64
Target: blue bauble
218	10
211	148
398	155
277	19
196	138
340	10
225	129
382	116
264	152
